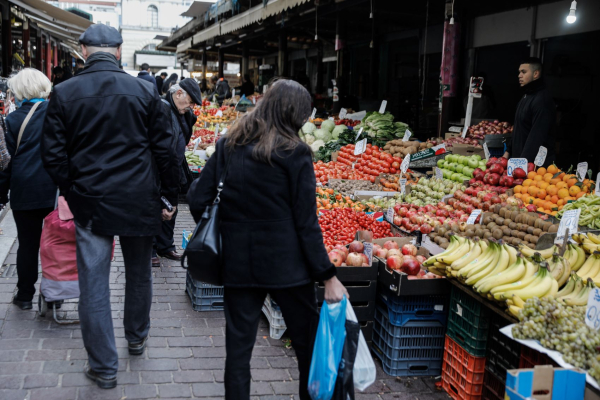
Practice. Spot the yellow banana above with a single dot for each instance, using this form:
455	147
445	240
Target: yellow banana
512	274
509	302
514	310
568	287
517	301
499	291
473	253
553	290
590	265
566	274
571	254
538	288
492	268
528	252
530	268
593	237
580	258
589	246
578	237
480	266
582	298
556	266
454	243
579	286
483	258
455	255
512	252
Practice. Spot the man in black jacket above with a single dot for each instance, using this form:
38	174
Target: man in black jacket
160	80
145	74
107	144
535	115
178	104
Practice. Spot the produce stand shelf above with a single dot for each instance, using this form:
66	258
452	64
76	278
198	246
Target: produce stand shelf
486	302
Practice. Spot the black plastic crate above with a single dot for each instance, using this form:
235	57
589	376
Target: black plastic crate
359	291
204	297
503	353
493	387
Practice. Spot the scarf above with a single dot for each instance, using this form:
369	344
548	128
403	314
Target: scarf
534	86
101	56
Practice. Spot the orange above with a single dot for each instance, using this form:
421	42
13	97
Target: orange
569	198
561	176
527	182
541	194
543	185
554	213
547	177
554	181
533	191
540	209
537	202
572	181
554	199
560	202
552	169
561	185
560	208
531	175
538	178
518	195
573	190
518	188
567	177
552	190
562	193
548	198
548	205
580	194
541	171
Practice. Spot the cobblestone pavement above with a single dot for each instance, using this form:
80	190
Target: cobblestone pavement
185	357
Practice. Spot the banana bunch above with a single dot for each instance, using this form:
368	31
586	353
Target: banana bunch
575	256
576	292
559	268
529	252
458	248
591	268
503	256
519	269
540	284
590	241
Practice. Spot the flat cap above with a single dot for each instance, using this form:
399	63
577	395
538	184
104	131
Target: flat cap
100	35
192	88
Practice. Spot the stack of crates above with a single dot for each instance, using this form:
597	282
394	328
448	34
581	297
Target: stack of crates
204	297
530	358
466	345
503	354
408	334
273	313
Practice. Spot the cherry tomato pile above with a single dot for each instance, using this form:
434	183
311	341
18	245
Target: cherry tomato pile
347	122
339	226
337	170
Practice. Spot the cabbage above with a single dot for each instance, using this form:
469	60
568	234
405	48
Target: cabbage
335	134
210	151
308	128
322	134
309	139
327	125
317	144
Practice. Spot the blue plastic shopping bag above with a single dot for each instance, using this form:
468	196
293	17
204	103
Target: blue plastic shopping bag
327	352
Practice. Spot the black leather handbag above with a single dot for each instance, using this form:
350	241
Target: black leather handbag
203	251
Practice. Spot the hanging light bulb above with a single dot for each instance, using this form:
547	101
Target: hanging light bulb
571	18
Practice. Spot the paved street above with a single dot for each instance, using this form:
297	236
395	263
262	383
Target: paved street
40	359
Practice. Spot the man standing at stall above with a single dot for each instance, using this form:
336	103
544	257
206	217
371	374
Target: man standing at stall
535	117
178	104
107	144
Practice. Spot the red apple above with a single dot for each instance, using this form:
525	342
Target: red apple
519	173
491	162
494	178
530	167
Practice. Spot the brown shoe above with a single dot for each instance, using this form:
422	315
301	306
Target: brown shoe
171	255
155	262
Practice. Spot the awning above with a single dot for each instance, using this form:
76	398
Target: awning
54	14
184	45
246	18
197	8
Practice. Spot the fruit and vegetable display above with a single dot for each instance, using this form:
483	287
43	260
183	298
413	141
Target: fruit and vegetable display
461	168
412	218
209	116
590	211
381	127
489	128
431	191
206	136
194	160
460	140
400	148
330	198
372	162
351	256
339	226
405	259
347	122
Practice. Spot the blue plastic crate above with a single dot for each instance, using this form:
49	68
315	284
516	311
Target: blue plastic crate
414	367
402	309
205	297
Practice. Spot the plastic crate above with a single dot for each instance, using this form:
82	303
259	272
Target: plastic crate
412	367
462	373
493	387
277	326
468	322
204	297
503	353
415	308
530	358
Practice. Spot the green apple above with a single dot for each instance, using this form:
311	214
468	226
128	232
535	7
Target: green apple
459	168
473	163
482	164
476	156
455	177
465	160
440	163
468	171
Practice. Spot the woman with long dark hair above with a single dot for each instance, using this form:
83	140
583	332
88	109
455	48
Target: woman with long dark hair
172	80
271	239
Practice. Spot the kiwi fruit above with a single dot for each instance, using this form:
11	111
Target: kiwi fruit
487	219
455	228
500	221
514	214
447	235
487	235
527	238
514	233
497	233
444	245
524	227
516	241
530	229
512	225
537	223
537	232
502	212
479	232
442	231
553	228
521	235
507	222
534	239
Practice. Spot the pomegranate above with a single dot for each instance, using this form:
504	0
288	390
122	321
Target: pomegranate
410	267
365	258
394	252
409	249
390	244
376	247
354	260
342	254
421	259
356	247
342	248
335	258
426	229
503	161
381	253
394	262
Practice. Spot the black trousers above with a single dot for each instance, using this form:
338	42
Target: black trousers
29	232
164	242
242	315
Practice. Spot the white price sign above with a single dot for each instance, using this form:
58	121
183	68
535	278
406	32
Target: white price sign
407	136
405	164
447	197
473	217
314	113
464	132
541	156
216	130
389	214
360	147
253	100
582	169
382	108
402	186
570	220
486	151
597	192
331	119
265	89
368	250
439	173
233	93
515	163
219	113
343	113
455	129
592	312
358	134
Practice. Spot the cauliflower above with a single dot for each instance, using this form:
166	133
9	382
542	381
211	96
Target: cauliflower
317	144
327	125
335	134
322	134
309	139
308	128
210	150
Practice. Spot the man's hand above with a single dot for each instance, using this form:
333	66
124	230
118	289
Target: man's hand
506	155
166	215
335	291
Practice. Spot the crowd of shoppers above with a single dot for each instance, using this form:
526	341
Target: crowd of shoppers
121	175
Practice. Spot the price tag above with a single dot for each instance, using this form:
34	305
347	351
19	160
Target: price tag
331	119
569	220
253	100
334	82
219	113
389	214
382	108
459	310
233	93
405	164
216	131
358	134
582	169
541	156
455	129
439	173
264	89
407	135
368	251
597	192
343	113
314	113
464	132
515	163
473	217
360	147
402	186
592	312
486	151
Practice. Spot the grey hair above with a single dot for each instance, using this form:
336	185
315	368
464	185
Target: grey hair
175	88
30	84
92	49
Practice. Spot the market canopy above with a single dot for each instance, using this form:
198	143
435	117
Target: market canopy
197	9
64	21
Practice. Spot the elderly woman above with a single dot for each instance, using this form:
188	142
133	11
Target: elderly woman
32	192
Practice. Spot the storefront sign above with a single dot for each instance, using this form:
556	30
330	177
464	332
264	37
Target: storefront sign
515	163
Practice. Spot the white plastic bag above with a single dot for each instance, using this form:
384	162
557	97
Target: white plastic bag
364	372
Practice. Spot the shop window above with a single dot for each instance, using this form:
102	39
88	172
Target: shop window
152	12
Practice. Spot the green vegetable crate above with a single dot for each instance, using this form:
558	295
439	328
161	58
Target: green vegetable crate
468	323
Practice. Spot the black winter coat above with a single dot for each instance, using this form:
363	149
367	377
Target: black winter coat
269	229
30	185
147	77
108	145
534	122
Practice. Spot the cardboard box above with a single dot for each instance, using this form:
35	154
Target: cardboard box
452	135
544	382
467	150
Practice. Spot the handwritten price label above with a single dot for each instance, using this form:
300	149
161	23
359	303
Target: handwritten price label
343	113
473	217
569	220
439	173
360	147
515	163
582	169
382	108
486	151
407	136
405	164
389	214
314	113
368	250
219	113
592	312
358	134
541	156
402	186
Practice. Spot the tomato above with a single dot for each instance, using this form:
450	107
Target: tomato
368	151
395	165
